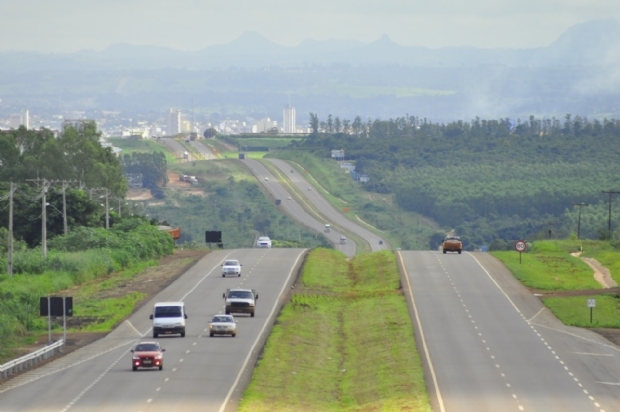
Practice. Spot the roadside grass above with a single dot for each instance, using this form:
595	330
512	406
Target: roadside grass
108	312
375	211
343	343
548	266
550	270
573	310
142	146
214	171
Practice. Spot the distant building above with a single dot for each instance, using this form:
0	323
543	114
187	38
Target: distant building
26	119
288	124
174	122
78	124
15	121
264	125
21	119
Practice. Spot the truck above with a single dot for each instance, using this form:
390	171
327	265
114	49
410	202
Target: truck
240	301
452	244
189	179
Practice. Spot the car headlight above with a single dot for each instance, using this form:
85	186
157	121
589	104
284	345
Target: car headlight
178	324
157	325
251	304
210	326
159	356
136	357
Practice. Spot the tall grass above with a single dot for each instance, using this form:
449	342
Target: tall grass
81	256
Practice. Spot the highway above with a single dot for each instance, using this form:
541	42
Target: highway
488	344
326	209
204	151
291	207
177	149
294	209
200	373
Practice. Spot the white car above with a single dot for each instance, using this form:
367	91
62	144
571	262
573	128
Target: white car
223	325
231	267
263	241
266	179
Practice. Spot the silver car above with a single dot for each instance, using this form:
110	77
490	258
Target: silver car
223	325
231	267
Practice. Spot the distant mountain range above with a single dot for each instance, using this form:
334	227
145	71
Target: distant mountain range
594	43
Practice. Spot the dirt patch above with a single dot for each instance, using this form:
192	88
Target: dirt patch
150	282
601	273
138	194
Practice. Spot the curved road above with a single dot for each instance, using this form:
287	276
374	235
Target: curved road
326	209
490	345
293	209
200	373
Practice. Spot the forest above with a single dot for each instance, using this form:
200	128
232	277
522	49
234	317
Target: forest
486	179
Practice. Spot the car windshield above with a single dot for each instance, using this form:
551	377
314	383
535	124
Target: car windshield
240	294
147	347
231	263
453	238
220	319
263	239
168	312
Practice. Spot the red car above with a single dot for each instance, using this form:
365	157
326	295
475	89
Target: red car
147	355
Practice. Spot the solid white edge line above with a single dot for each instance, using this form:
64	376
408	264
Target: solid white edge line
535	324
496	284
247	359
426	353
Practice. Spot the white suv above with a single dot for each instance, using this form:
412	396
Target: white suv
231	267
263	241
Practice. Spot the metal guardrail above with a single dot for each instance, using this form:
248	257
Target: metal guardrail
27	361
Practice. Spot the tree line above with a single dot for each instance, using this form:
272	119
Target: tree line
414	126
489	179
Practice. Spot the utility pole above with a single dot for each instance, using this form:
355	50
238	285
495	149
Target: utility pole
43	196
10	245
107	203
579	219
65	185
46	185
610	193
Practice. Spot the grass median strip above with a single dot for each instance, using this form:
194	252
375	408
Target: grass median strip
344	342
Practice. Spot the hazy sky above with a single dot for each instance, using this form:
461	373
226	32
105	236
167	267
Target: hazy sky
70	25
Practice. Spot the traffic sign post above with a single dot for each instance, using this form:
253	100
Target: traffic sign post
591	305
520	247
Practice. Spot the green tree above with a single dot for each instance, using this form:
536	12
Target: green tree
314	124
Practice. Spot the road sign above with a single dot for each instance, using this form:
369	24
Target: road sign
591	303
520	246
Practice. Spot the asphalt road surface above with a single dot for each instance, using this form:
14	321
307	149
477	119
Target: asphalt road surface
205	151
200	373
335	218
294	209
177	149
488	344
